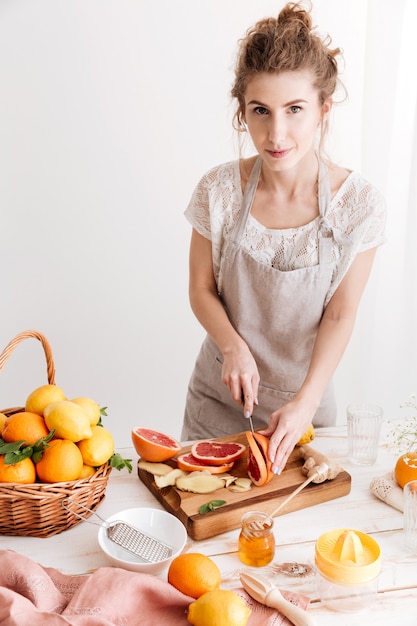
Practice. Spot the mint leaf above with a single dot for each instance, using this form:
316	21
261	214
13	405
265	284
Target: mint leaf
210	506
118	462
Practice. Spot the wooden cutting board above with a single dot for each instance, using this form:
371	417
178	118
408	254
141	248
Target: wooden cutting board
185	505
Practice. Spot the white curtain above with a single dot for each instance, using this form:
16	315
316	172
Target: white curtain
384	345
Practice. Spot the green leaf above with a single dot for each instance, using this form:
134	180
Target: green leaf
13	452
118	462
14	446
11	458
210	506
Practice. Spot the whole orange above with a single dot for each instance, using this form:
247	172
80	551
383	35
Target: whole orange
406	468
194	574
24	426
21	472
61	461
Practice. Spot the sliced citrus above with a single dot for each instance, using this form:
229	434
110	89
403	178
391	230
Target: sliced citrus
259	467
217	452
189	463
406	468
152	445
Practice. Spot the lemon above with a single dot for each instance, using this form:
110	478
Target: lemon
87	471
220	607
91	407
308	436
69	420
98	448
39	399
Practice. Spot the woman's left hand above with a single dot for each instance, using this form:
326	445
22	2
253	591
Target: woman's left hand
286	427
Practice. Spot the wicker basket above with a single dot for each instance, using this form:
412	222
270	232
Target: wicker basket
37	509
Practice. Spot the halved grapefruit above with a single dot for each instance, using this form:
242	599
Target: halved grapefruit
259	467
189	463
217	452
151	445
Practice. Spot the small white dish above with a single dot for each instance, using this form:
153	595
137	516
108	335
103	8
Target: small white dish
157	523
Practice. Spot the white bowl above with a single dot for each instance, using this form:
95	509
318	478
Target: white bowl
157	523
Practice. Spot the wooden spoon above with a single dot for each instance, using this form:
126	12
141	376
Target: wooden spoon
322	469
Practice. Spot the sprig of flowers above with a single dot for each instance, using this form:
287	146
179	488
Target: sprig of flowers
404	433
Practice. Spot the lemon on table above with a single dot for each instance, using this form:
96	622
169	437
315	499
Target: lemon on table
39	399
69	420
91	407
98	448
221	607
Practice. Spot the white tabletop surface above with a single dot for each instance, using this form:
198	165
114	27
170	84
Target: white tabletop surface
76	551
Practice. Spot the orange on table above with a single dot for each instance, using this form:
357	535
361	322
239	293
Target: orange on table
38	400
24	426
406	468
61	462
21	472
194	574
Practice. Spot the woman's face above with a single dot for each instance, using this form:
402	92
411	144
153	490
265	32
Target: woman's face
282	113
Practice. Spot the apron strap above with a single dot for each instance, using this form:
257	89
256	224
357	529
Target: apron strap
247	201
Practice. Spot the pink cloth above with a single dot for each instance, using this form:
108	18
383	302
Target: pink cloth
37	596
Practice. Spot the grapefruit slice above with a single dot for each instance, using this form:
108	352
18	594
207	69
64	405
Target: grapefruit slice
189	463
259	467
151	445
216	452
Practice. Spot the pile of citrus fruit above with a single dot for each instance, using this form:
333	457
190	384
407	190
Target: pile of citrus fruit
198	577
53	439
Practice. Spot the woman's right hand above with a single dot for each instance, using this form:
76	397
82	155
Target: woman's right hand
240	374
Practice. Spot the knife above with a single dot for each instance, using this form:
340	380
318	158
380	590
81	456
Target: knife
265	592
250	416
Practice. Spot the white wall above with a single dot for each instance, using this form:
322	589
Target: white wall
110	111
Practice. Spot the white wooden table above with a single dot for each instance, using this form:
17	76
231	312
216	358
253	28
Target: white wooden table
76	551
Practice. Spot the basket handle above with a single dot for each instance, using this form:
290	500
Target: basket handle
45	344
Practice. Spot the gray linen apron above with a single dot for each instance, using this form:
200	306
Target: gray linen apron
278	314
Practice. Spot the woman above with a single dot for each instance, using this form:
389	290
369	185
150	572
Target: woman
282	247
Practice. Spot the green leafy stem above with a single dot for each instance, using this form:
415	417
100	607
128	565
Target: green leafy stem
210	506
17	450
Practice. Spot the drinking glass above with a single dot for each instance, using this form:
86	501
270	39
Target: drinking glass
364	423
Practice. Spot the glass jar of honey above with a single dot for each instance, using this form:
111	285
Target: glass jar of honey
256	544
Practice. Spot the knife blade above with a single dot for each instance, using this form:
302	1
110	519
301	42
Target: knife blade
250	416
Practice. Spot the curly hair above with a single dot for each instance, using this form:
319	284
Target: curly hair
285	44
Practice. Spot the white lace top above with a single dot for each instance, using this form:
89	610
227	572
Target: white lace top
356	216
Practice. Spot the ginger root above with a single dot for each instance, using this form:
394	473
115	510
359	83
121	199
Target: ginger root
313	459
